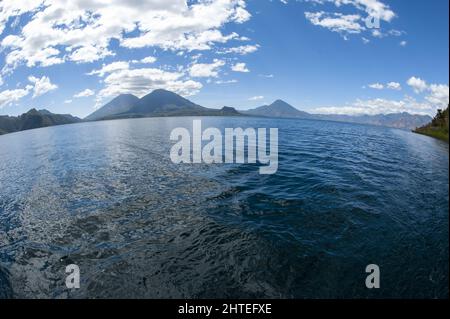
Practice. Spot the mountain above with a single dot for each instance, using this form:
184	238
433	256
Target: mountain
395	120
228	111
281	109
438	127
278	108
162	102
121	104
159	103
34	119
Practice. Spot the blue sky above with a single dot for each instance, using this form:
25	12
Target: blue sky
321	56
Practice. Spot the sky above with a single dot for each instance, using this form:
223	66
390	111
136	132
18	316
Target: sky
321	56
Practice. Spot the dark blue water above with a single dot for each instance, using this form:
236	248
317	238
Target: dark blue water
106	197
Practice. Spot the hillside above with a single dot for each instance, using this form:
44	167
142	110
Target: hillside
121	104
394	120
278	108
159	103
34	119
438	127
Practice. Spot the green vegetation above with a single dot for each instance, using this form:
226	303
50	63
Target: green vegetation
438	128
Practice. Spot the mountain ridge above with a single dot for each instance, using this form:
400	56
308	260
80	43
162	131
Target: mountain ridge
34	119
163	103
121	103
280	109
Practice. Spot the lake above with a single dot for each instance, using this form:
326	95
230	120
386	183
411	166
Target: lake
106	197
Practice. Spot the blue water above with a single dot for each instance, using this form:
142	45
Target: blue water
106	197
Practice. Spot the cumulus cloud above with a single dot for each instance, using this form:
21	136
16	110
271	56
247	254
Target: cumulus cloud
435	96
85	93
13	8
336	22
148	60
242	50
142	81
78	30
439	95
394	86
391	86
373	8
417	84
203	70
378	106
109	68
42	85
240	67
39	86
366	13
376	86
9	96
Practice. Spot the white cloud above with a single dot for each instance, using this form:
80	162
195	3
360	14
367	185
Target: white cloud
378	106
9	96
436	97
148	60
366	12
373	8
42	85
336	22
90	54
256	98
142	81
403	43
39	87
109	68
377	86
67	101
417	84
242	50
203	70
377	34
240	67
394	86
85	93
439	95
391	86
15	8
226	81
78	30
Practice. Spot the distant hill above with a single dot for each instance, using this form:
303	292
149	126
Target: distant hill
278	108
121	104
162	102
438	127
34	119
395	120
159	103
281	109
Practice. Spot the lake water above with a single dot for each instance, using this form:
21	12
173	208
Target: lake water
106	196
